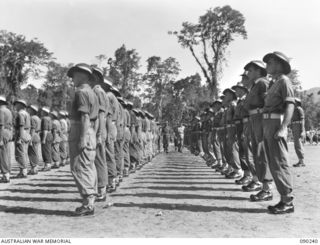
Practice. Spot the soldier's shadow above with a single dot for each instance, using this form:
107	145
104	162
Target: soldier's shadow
183	183
47	184
39	191
29	210
181	196
188	207
181	188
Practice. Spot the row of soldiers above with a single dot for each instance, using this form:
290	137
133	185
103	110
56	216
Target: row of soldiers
243	134
103	138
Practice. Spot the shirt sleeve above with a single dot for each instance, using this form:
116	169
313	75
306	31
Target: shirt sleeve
33	123
262	88
2	120
45	124
287	92
21	120
82	102
101	99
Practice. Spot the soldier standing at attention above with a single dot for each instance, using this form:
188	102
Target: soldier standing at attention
277	113
33	149
46	138
82	138
216	142
5	138
240	113
134	142
101	129
56	128
298	131
254	103
118	147
127	138
22	137
232	143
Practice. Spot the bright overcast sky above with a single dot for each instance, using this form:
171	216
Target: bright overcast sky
78	30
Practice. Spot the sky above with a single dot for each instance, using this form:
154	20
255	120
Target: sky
78	30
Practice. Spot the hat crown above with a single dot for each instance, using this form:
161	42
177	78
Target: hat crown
3	98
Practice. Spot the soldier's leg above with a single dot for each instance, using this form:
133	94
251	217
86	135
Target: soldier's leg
296	131
278	156
83	168
216	147
33	155
102	170
126	153
5	162
233	149
21	158
110	157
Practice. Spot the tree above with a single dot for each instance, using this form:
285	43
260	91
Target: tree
158	80
19	60
30	94
122	69
296	83
209	39
56	91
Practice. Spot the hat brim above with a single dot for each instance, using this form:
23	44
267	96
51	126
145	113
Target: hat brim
74	69
230	91
286	65
98	74
247	66
242	87
20	102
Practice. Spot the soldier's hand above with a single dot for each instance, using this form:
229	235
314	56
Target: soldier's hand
303	135
82	144
281	133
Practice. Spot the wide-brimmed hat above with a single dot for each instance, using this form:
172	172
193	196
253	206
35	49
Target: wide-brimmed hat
21	101
82	67
244	74
54	113
120	99
62	113
218	101
259	64
3	99
241	86
135	111
129	104
198	118
34	107
115	91
45	109
230	91
97	71
282	58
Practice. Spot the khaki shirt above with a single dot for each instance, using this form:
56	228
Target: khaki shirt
298	114
35	123
114	106
255	98
280	93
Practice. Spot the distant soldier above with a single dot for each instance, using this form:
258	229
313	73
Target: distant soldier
22	137
298	131
46	138
56	128
82	138
166	136
63	138
216	132
277	113
5	138
126	139
118	147
33	149
134	143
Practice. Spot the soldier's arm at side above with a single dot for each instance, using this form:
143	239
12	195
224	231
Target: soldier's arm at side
85	124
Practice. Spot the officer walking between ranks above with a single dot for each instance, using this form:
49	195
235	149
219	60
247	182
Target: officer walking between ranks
22	137
63	138
46	138
56	128
82	138
254	103
277	113
101	133
5	138
166	136
33	149
298	132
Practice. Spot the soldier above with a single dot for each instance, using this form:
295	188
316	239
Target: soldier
254	104
82	138
278	110
232	144
181	130
118	147
68	132
166	137
298	131
216	140
153	127
63	138
134	142
5	138
127	139
226	168
56	128
112	116
46	138
22	137
140	139
101	130
33	149
240	113
148	137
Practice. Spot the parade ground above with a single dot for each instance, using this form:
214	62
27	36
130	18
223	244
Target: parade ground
176	195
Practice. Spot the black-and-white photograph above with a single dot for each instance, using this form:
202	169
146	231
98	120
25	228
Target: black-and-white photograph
159	119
